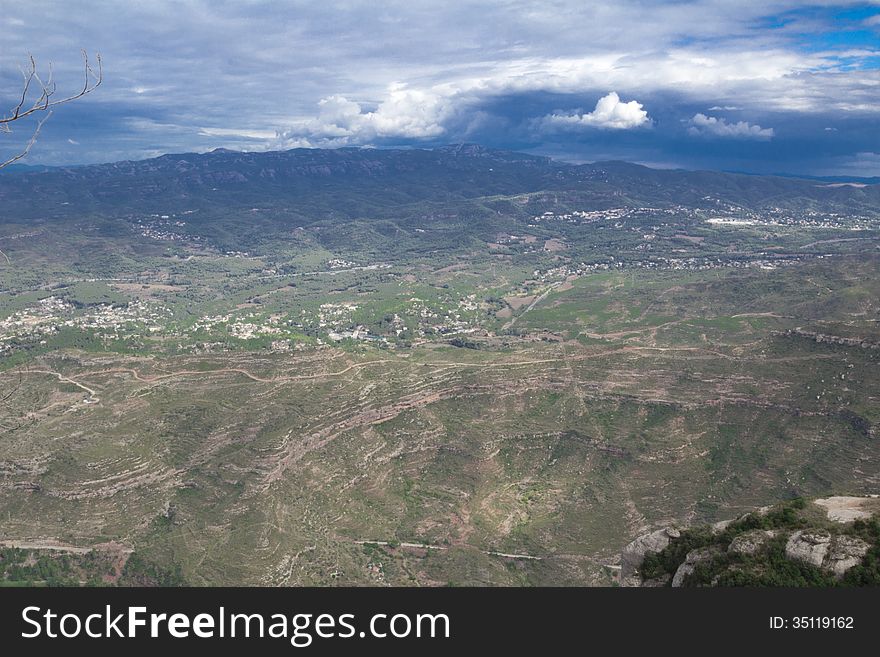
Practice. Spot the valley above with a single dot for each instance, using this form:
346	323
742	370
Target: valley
497	371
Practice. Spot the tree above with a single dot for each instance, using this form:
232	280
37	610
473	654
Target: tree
37	99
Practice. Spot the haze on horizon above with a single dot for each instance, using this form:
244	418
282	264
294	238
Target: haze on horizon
765	87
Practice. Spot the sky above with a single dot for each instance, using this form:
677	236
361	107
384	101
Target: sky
763	87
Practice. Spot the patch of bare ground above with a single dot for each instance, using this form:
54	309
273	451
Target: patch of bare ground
450	268
45	544
152	479
847	508
146	290
518	302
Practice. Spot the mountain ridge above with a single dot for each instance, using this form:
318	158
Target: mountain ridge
368	176
467	148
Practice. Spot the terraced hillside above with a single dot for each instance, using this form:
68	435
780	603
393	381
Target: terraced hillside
505	404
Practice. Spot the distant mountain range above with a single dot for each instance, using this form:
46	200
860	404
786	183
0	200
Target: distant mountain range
354	181
856	180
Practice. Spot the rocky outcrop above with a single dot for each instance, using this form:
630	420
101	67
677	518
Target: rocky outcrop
690	563
746	551
751	542
824	338
634	554
835	554
808	546
845	552
721	525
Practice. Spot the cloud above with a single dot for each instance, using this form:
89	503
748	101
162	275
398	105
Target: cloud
865	164
610	113
242	133
475	70
704	125
403	114
140	124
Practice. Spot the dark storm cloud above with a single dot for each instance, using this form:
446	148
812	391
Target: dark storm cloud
724	84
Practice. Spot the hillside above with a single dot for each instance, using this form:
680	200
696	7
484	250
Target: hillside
350	182
824	542
461	366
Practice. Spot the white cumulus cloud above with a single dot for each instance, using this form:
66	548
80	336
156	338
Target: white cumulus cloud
402	113
610	113
713	126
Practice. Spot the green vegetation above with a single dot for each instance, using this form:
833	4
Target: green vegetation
25	567
768	565
485	353
140	572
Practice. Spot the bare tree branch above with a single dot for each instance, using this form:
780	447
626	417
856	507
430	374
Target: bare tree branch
31	141
44	101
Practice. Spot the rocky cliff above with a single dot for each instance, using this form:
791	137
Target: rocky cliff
833	541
